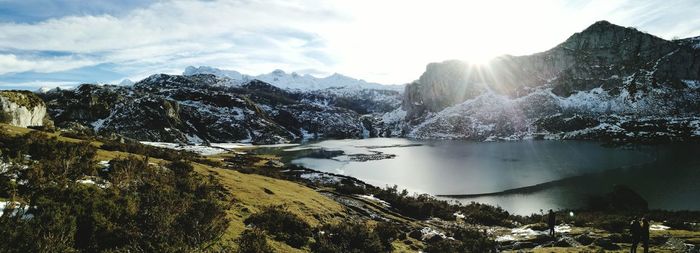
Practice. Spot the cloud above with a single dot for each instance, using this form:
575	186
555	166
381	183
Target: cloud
10	63
387	41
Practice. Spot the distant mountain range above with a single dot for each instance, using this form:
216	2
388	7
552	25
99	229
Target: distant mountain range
604	83
201	108
292	81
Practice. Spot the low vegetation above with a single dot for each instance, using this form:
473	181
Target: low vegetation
282	225
64	202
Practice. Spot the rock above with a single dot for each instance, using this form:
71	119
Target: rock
584	239
566	242
432	238
402	236
606	244
416	234
523	245
23	109
575	90
204	108
677	245
620	238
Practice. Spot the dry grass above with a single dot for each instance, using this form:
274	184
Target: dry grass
247	192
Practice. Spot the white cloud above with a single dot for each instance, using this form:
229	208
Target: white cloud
386	41
10	63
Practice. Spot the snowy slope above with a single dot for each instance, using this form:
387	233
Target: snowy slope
293	81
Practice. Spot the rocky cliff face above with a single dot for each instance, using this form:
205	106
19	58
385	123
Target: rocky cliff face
22	108
207	108
603	55
605	72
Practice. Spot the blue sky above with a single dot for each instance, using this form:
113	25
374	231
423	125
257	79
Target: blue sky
61	43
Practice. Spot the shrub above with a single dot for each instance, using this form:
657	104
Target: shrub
347	237
465	240
387	232
5	117
253	241
140	207
282	225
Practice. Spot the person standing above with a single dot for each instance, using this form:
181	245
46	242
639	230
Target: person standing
551	221
635	230
645	234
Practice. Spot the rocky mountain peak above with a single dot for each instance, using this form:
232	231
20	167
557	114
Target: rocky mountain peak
605	35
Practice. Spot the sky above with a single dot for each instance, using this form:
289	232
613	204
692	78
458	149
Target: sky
62	43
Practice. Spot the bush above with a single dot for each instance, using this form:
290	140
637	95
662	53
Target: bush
465	240
282	225
347	237
132	206
387	232
253	241
5	117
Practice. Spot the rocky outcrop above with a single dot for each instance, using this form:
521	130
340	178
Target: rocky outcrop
205	108
606	82
22	108
603	55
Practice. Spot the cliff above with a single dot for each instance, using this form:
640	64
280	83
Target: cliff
22	108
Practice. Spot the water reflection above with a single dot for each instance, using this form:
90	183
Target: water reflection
665	175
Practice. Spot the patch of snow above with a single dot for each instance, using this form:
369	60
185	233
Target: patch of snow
199	149
693	84
658	227
292	81
85	181
321	177
373	198
16	205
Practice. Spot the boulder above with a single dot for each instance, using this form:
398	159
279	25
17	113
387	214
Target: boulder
606	244
584	239
416	234
23	109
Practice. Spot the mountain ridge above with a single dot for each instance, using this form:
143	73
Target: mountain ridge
293	80
607	74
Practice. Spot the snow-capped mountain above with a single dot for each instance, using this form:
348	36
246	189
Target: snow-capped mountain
293	81
202	108
606	82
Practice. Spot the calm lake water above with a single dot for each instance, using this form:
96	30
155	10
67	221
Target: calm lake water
668	176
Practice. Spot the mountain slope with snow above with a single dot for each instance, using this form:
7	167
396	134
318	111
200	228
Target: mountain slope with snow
205	108
293	81
606	82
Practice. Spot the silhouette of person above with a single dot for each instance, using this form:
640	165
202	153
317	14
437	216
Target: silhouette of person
645	235
551	221
635	230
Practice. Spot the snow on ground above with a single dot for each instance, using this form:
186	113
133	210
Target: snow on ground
658	227
15	204
199	149
693	84
321	177
214	148
525	232
373	198
291	81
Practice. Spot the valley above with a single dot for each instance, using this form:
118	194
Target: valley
467	158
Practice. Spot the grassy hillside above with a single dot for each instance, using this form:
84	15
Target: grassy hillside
249	193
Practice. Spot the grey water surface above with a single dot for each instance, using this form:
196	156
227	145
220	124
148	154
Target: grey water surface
520	176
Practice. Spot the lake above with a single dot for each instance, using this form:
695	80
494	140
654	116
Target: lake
565	172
